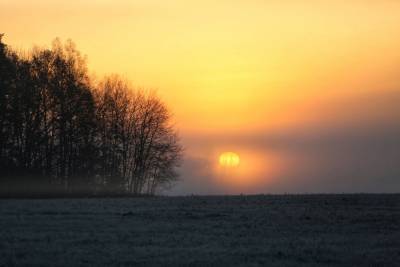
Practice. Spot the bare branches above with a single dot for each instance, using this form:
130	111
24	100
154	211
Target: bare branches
55	124
136	132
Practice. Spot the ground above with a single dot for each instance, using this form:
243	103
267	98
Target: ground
288	230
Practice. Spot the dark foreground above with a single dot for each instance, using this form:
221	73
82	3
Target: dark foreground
308	230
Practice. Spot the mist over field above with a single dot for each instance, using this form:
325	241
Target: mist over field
306	93
199	133
353	149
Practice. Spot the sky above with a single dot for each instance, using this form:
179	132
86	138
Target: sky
306	93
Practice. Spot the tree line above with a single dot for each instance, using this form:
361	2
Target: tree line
62	132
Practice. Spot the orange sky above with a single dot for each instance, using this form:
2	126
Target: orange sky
227	67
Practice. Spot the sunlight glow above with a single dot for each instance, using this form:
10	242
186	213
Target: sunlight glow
270	80
229	159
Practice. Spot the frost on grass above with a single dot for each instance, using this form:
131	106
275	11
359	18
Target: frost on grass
314	230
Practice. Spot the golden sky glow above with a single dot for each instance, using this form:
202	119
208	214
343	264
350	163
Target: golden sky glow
227	67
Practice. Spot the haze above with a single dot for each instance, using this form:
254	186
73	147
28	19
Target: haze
306	92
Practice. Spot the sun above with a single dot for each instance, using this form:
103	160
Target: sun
229	159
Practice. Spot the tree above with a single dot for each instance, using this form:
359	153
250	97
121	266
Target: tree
113	104
68	115
7	86
61	133
158	152
140	149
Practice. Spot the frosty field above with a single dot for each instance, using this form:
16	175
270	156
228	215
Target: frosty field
308	230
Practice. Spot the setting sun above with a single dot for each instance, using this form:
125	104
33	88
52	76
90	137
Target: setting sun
199	132
229	159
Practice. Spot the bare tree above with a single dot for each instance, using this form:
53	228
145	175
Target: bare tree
60	130
135	136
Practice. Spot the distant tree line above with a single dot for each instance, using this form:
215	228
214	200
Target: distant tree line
61	132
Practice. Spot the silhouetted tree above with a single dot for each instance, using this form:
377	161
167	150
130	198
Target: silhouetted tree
60	107
158	151
59	132
7	86
113	105
136	135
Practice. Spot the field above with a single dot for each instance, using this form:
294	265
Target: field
273	230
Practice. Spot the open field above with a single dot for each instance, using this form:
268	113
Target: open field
309	230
